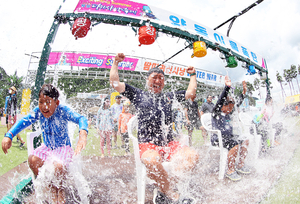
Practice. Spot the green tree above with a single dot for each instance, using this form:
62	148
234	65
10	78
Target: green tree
294	74
287	77
256	84
280	80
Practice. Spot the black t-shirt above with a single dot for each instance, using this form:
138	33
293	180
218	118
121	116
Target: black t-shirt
192	111
154	114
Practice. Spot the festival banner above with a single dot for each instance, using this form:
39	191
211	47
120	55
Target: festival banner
89	60
146	12
86	60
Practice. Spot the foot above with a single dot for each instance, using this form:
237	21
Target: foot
22	144
160	198
233	176
243	170
102	155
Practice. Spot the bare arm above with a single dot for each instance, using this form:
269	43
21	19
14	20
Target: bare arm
186	115
191	90
114	74
81	142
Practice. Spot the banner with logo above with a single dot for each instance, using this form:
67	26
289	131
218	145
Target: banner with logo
65	60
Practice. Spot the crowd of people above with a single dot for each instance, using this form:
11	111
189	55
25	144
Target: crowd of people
156	135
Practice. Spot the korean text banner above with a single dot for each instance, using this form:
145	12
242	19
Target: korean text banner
86	60
143	11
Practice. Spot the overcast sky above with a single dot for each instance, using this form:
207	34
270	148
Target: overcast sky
271	29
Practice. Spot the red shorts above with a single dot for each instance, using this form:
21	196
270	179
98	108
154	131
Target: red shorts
166	152
12	119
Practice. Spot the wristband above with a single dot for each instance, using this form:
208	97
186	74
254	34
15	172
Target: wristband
192	74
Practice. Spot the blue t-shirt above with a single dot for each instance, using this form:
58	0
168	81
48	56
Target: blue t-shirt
54	128
154	114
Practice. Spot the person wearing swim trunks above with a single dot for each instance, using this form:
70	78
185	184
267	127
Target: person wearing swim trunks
154	112
56	148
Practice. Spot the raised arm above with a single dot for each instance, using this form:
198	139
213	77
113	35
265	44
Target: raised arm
191	90
114	74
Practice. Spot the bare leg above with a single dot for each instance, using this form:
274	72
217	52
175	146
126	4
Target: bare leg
204	134
243	154
35	163
108	141
190	133
60	173
156	171
185	159
232	154
114	136
102	138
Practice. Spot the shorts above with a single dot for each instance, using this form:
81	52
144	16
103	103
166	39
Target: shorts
62	155
166	152
228	142
12	119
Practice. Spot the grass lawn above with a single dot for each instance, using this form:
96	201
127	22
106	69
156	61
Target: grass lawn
287	190
15	156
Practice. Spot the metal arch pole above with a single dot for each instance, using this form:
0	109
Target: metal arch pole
40	75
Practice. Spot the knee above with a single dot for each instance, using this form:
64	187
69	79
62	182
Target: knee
245	143
59	168
189	155
34	161
151	158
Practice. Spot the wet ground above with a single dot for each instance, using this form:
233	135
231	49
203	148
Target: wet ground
112	180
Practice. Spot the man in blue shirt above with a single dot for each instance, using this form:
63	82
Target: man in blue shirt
156	141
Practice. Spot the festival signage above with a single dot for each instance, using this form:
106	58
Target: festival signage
86	60
292	99
89	60
146	12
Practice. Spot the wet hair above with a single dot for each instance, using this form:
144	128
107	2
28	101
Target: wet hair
49	90
229	100
156	70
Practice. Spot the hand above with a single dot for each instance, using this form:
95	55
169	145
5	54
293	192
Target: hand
227	81
81	142
119	57
6	144
244	87
190	70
